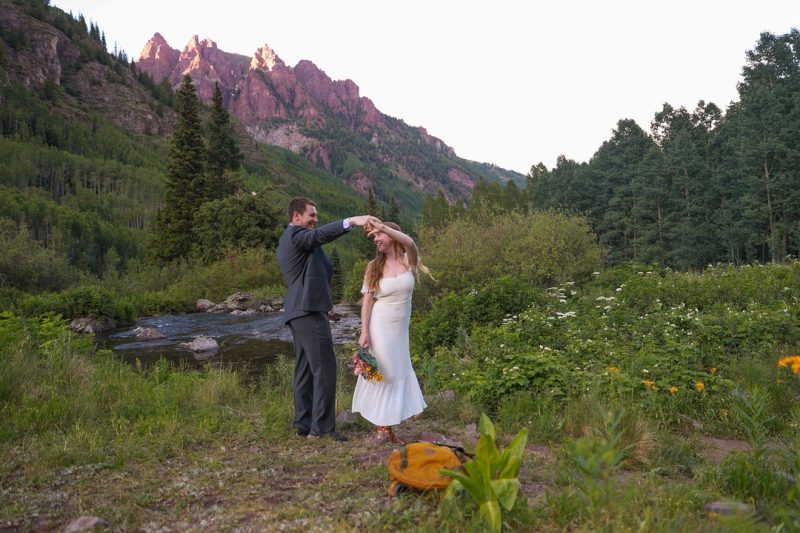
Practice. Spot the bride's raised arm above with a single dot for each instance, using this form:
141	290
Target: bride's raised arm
411	247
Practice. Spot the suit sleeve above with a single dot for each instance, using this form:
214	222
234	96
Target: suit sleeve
308	239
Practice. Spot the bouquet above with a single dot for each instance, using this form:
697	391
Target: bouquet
365	365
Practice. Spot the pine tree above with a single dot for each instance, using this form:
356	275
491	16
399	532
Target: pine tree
186	183
393	212
372	203
223	152
337	280
435	211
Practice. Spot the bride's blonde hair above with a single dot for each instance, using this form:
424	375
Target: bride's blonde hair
374	273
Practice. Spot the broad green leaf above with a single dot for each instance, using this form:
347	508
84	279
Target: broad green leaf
517	446
500	466
515	449
511	469
491	513
506	491
472	486
487	449
485	427
452	489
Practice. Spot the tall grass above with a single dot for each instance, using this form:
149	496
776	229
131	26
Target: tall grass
84	406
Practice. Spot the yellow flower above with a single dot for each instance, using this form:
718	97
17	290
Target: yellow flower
778	381
673	390
700	386
713	370
649	384
613	369
724	413
793	361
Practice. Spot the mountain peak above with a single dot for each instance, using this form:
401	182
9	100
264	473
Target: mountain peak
196	44
158	58
265	58
279	105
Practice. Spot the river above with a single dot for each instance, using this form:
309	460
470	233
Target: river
247	342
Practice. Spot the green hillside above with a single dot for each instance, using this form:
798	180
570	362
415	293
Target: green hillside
80	191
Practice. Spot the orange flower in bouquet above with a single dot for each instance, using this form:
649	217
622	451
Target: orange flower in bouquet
366	366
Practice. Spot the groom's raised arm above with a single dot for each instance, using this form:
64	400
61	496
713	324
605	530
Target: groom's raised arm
308	239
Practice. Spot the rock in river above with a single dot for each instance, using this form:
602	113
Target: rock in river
148	334
201	344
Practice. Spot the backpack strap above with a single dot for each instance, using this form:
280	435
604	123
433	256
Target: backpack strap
403	458
458	449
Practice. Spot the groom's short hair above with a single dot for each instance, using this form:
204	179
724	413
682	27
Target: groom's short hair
298	205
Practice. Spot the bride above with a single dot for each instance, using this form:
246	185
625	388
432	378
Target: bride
385	315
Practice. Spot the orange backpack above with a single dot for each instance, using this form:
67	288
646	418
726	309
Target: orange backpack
417	465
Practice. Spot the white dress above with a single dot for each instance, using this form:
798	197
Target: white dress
398	396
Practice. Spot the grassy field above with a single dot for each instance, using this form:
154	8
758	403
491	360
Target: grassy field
649	397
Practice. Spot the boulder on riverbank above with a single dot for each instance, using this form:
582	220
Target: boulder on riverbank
240	302
204	305
91	325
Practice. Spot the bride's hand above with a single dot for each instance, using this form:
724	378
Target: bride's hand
371	229
363	340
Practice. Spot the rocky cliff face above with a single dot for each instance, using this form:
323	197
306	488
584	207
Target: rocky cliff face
297	108
43	54
158	58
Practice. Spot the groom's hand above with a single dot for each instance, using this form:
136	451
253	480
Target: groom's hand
364	220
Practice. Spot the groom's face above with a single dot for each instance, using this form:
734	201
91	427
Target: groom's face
307	219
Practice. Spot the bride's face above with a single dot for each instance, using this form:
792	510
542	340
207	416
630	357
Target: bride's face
383	243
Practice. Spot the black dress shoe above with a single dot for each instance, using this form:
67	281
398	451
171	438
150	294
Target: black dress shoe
335	435
301	432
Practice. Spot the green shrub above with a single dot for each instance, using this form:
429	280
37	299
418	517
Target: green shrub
543	416
239	270
41	303
537	249
590	463
454	315
615	336
152	303
26	265
237	222
354	281
88	301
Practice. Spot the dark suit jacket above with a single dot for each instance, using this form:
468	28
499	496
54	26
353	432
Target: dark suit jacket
306	268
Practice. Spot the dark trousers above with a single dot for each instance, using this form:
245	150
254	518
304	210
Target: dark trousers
314	374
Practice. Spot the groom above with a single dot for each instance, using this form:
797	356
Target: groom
308	272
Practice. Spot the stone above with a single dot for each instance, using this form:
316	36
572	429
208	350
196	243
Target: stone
471	432
727	508
148	334
204	305
445	396
201	344
91	325
689	425
346	417
241	301
439	438
86	523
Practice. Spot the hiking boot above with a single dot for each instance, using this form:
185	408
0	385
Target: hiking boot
335	435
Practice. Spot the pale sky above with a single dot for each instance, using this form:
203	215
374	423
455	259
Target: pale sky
508	82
